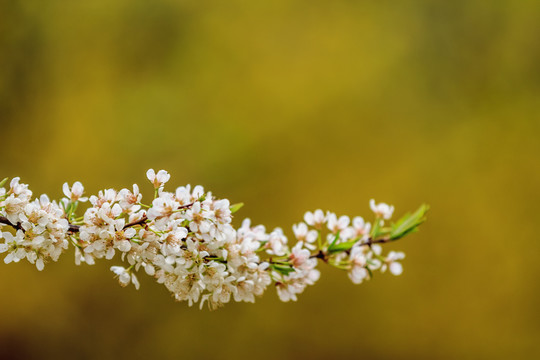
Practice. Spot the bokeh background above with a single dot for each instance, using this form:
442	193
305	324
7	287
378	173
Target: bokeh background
288	106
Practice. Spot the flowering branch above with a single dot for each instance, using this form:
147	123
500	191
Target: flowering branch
185	240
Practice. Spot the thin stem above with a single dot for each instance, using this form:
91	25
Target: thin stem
5	220
378	241
76	228
324	256
136	222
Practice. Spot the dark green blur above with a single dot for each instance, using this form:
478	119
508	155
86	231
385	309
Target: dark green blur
286	106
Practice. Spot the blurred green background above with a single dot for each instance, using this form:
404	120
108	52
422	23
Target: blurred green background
287	106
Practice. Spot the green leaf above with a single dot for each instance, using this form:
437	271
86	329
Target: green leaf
235	207
334	241
378	231
370	272
409	223
69	209
342	247
375	228
282	268
3	182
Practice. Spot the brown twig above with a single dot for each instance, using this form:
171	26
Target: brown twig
76	228
5	220
320	255
324	256
379	241
186	206
136	222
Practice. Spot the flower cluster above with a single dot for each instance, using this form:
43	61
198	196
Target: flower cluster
41	231
185	240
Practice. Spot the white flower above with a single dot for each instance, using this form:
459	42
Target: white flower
129	200
75	193
299	255
198	192
337	225
381	210
221	211
164	205
315	219
172	241
296	282
183	194
392	263
286	292
13	207
277	243
302	233
125	276
20	190
358	271
81	257
158	179
360	229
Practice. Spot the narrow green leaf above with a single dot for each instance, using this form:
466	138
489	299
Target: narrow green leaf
342	247
378	231
3	182
375	228
334	241
370	272
283	269
235	207
409	223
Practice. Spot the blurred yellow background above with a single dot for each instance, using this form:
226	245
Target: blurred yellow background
287	106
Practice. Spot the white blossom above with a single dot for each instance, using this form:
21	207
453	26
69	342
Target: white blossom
358	271
277	243
391	262
336	224
129	200
125	277
315	219
302	233
75	192
361	228
158	179
382	210
299	256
